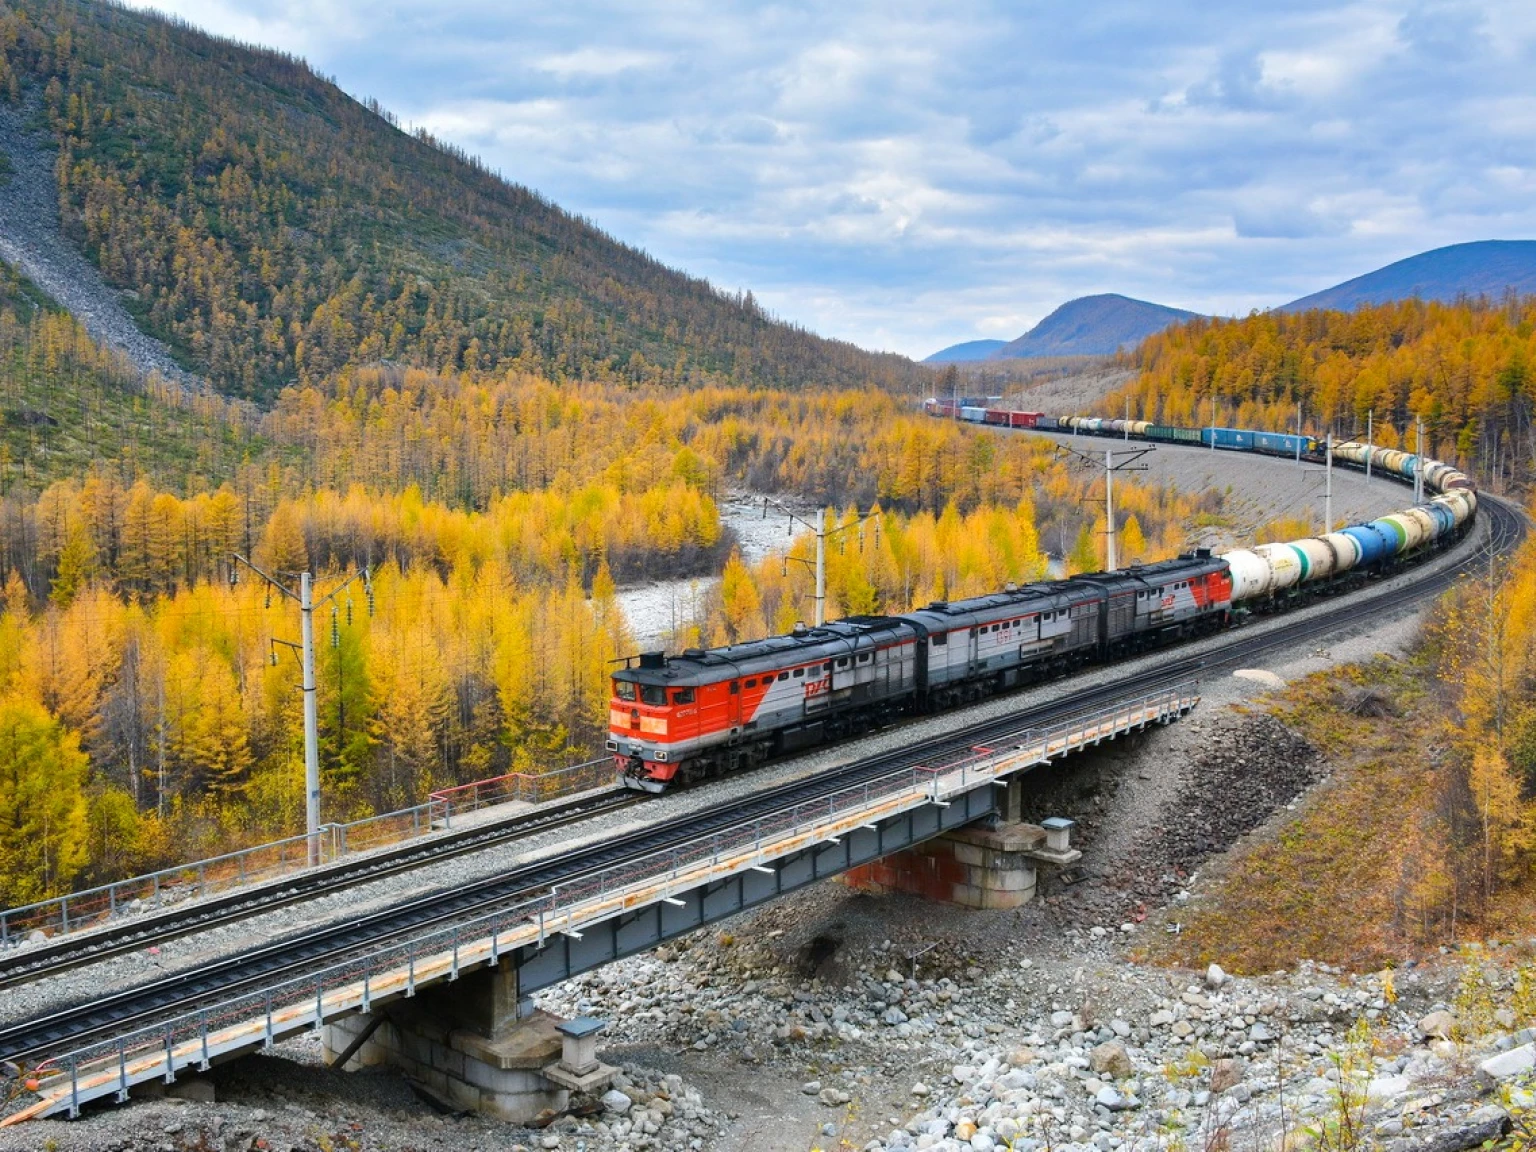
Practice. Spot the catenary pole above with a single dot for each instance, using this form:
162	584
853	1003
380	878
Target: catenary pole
305	598
821	566
311	720
1328	489
1109	507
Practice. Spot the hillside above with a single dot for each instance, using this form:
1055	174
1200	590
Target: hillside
1093	326
268	228
965	352
69	408
1485	268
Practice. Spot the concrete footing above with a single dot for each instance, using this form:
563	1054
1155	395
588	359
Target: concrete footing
467	1044
975	867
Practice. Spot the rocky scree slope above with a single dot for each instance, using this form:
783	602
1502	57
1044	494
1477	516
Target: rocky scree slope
31	239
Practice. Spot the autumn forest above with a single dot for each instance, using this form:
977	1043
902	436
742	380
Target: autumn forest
506	418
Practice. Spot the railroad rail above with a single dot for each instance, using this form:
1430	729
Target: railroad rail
91	942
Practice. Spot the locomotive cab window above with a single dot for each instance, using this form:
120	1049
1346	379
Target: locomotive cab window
624	690
683	696
752	682
864	657
783	675
940	640
799	672
653	694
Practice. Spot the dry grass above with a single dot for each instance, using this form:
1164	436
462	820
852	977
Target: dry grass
1337	881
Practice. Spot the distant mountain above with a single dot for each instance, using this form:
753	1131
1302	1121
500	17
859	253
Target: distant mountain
268	228
1483	268
1093	326
970	350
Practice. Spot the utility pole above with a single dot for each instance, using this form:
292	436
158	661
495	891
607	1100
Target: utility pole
1128	463
1109	509
821	532
1213	422
305	597
1328	488
1418	460
1370	440
821	566
1298	433
1127	417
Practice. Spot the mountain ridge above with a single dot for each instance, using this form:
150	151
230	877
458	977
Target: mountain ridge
268	228
1476	268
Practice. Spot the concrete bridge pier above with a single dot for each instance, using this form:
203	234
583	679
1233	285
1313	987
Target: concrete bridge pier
987	864
476	1045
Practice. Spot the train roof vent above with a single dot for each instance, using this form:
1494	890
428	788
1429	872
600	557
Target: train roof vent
653	659
800	628
693	653
1010	587
1202	553
938	606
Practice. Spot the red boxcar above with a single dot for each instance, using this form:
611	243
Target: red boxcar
1024	419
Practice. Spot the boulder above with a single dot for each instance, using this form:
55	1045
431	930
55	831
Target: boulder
1438	1025
1214	976
833	1097
616	1102
1504	1065
1224	1074
1111	1059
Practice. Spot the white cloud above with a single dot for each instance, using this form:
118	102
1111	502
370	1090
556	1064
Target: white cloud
913	174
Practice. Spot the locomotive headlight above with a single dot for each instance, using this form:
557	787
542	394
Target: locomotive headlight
654	725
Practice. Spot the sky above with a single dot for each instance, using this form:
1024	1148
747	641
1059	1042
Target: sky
908	175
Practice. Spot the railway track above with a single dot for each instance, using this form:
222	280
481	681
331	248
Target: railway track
267	965
130	934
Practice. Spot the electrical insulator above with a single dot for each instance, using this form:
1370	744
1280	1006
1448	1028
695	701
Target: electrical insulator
370	601
269	600
335	628
349	611
274	657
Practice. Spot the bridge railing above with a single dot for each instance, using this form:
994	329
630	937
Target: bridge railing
265	1016
90	906
528	788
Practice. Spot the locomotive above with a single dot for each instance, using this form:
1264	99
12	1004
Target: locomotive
679	719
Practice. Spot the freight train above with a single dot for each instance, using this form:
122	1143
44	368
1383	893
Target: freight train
677	719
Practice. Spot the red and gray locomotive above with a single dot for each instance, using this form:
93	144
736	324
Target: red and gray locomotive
683	718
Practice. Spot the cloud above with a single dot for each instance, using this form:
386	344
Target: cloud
908	175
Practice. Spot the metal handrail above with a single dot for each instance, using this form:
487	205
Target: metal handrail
330	991
75	911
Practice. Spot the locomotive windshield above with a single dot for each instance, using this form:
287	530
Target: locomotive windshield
653	694
624	690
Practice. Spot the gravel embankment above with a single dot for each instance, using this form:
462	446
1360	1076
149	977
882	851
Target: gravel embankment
31	240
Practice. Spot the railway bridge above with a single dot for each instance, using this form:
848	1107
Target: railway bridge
440	983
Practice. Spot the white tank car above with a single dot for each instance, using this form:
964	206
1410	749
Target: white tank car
1346	551
1318	558
1251	577
1284	565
